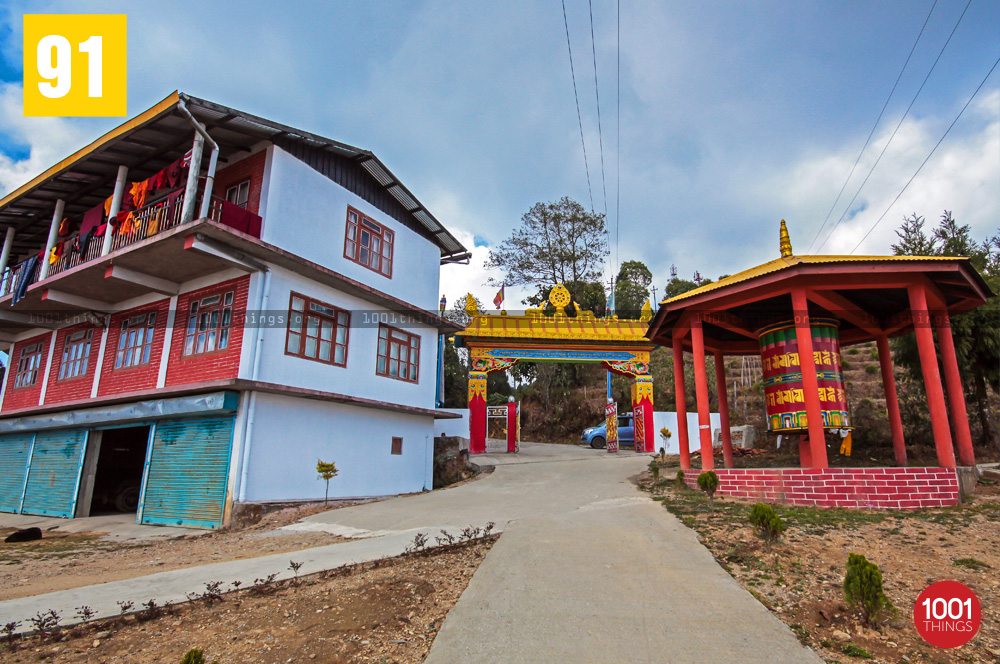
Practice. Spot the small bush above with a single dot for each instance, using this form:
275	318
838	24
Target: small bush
871	369
654	469
196	656
709	483
970	563
853	351
863	589
679	479
845	365
766	523
855	651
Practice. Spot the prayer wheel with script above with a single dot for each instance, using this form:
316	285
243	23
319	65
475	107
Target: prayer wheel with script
784	397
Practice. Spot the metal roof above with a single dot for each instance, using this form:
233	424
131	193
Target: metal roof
160	135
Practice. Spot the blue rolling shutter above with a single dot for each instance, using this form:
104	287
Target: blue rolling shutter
186	473
14	453
54	472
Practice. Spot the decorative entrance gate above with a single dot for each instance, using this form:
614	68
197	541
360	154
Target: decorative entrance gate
496	343
503	428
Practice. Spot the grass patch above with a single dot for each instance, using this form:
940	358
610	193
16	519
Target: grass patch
852	650
970	563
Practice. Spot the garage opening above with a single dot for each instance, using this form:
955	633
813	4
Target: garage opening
118	475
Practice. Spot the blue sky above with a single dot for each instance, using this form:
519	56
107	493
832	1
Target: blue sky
734	115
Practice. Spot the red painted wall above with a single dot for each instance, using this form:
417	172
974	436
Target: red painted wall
25	397
251	168
209	366
142	377
876	488
80	386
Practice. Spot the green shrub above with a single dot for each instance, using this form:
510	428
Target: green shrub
853	351
709	483
845	365
654	468
680	479
855	651
871	369
195	656
766	523
863	589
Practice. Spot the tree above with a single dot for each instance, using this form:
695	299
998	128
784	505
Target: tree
327	471
557	243
676	287
976	333
632	289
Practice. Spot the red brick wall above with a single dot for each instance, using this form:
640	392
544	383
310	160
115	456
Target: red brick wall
877	488
25	397
142	377
251	168
208	366
80	386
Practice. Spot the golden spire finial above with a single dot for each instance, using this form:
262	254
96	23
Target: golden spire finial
647	312
786	242
471	308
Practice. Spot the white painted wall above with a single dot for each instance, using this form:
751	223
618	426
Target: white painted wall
668	419
358	378
291	433
453	427
307	215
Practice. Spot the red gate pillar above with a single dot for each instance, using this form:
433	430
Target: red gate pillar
477	412
810	382
720	383
511	426
956	393
891	399
680	399
701	390
932	377
642	409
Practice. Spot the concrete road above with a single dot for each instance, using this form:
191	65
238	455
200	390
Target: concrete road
588	569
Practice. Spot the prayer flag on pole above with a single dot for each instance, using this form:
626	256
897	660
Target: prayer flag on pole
498	300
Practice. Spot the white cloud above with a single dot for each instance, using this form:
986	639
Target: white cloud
48	140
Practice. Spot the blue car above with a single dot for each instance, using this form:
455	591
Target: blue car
597	437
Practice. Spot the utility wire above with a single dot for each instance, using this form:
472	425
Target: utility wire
886	146
879	220
872	132
597	93
618	122
576	96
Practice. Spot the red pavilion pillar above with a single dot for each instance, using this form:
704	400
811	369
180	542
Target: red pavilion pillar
932	377
891	399
681	404
805	454
720	383
477	412
956	393
810	382
701	390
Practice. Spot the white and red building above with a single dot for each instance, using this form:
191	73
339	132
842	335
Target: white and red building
199	305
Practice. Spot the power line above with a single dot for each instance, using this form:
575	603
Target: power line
898	125
576	96
879	220
597	93
872	132
618	123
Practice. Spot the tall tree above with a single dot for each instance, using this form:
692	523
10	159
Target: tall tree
976	333
632	288
557	242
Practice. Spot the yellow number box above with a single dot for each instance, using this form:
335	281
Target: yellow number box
74	65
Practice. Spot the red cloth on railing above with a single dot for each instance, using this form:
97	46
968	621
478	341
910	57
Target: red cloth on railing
234	216
101	230
92	218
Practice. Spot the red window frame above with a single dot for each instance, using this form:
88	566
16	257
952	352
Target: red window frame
29	363
303	334
398	355
76	354
369	243
135	341
210	320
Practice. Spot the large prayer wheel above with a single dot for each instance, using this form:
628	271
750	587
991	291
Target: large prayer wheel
784	396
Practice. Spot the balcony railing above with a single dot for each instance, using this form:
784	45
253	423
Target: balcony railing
154	218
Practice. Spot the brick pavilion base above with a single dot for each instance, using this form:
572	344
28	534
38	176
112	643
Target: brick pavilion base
873	488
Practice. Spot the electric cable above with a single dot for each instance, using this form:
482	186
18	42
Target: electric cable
576	96
597	93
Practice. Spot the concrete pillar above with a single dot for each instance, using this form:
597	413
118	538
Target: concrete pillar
57	215
8	242
681	404
191	188
932	377
956	393
891	399
701	392
116	206
810	382
720	386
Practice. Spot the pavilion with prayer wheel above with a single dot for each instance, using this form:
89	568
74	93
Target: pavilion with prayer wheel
796	312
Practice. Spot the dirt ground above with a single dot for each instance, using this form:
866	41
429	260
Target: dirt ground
800	579
61	561
386	612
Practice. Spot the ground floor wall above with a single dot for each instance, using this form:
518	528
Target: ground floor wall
377	452
872	488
